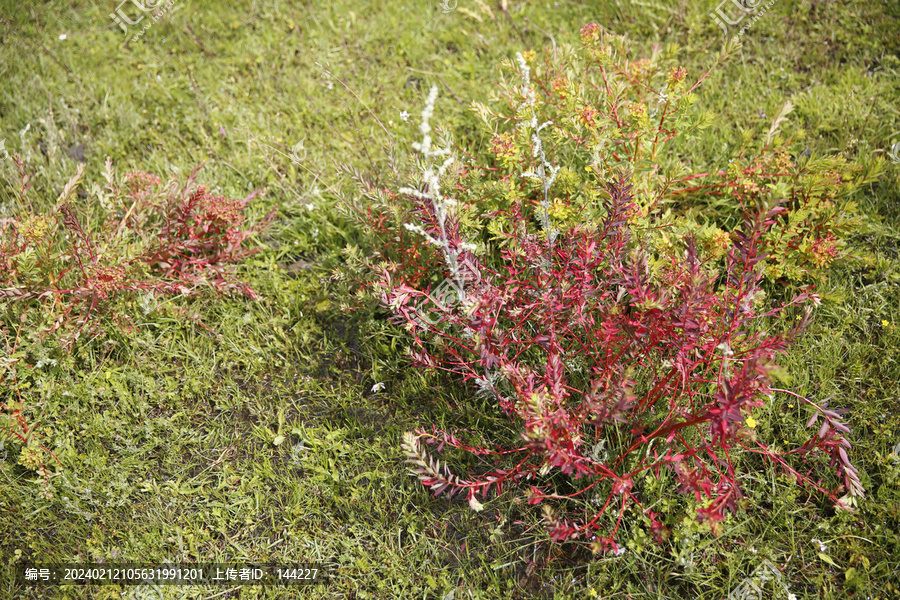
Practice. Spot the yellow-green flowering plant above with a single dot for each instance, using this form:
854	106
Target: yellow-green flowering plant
601	110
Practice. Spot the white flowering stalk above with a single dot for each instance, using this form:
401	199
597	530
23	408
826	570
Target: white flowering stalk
432	194
545	171
451	251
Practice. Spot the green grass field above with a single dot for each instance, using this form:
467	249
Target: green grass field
221	429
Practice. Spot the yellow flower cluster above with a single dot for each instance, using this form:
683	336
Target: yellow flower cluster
637	112
640	68
561	87
503	146
590	34
717	243
30	457
747	186
675	76
34	227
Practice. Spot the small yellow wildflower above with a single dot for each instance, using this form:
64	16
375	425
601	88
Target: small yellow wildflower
751	422
503	146
885	323
675	75
34	227
30	457
592	593
637	111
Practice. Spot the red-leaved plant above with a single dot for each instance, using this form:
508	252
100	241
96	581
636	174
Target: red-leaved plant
612	370
63	268
146	235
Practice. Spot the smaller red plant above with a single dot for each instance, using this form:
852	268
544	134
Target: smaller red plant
62	268
166	239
